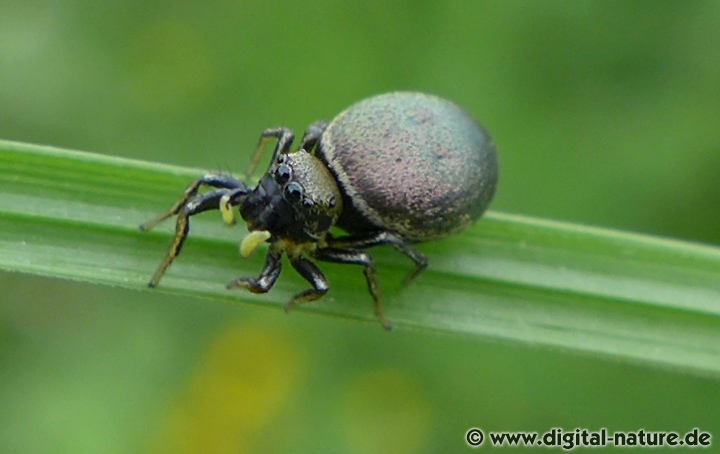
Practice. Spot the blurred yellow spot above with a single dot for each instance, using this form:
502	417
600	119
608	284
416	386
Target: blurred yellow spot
252	241
243	381
387	411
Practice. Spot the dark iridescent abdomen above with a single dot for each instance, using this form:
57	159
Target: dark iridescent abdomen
412	163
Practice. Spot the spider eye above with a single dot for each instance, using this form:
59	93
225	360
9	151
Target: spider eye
307	203
293	191
283	173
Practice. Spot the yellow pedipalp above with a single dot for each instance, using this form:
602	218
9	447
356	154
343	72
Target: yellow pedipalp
252	241
226	210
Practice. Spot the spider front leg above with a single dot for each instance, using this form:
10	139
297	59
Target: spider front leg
229	193
311	273
264	282
213	180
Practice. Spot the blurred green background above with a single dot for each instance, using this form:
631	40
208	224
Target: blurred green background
604	112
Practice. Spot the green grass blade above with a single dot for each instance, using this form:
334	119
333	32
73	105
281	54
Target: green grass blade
75	215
